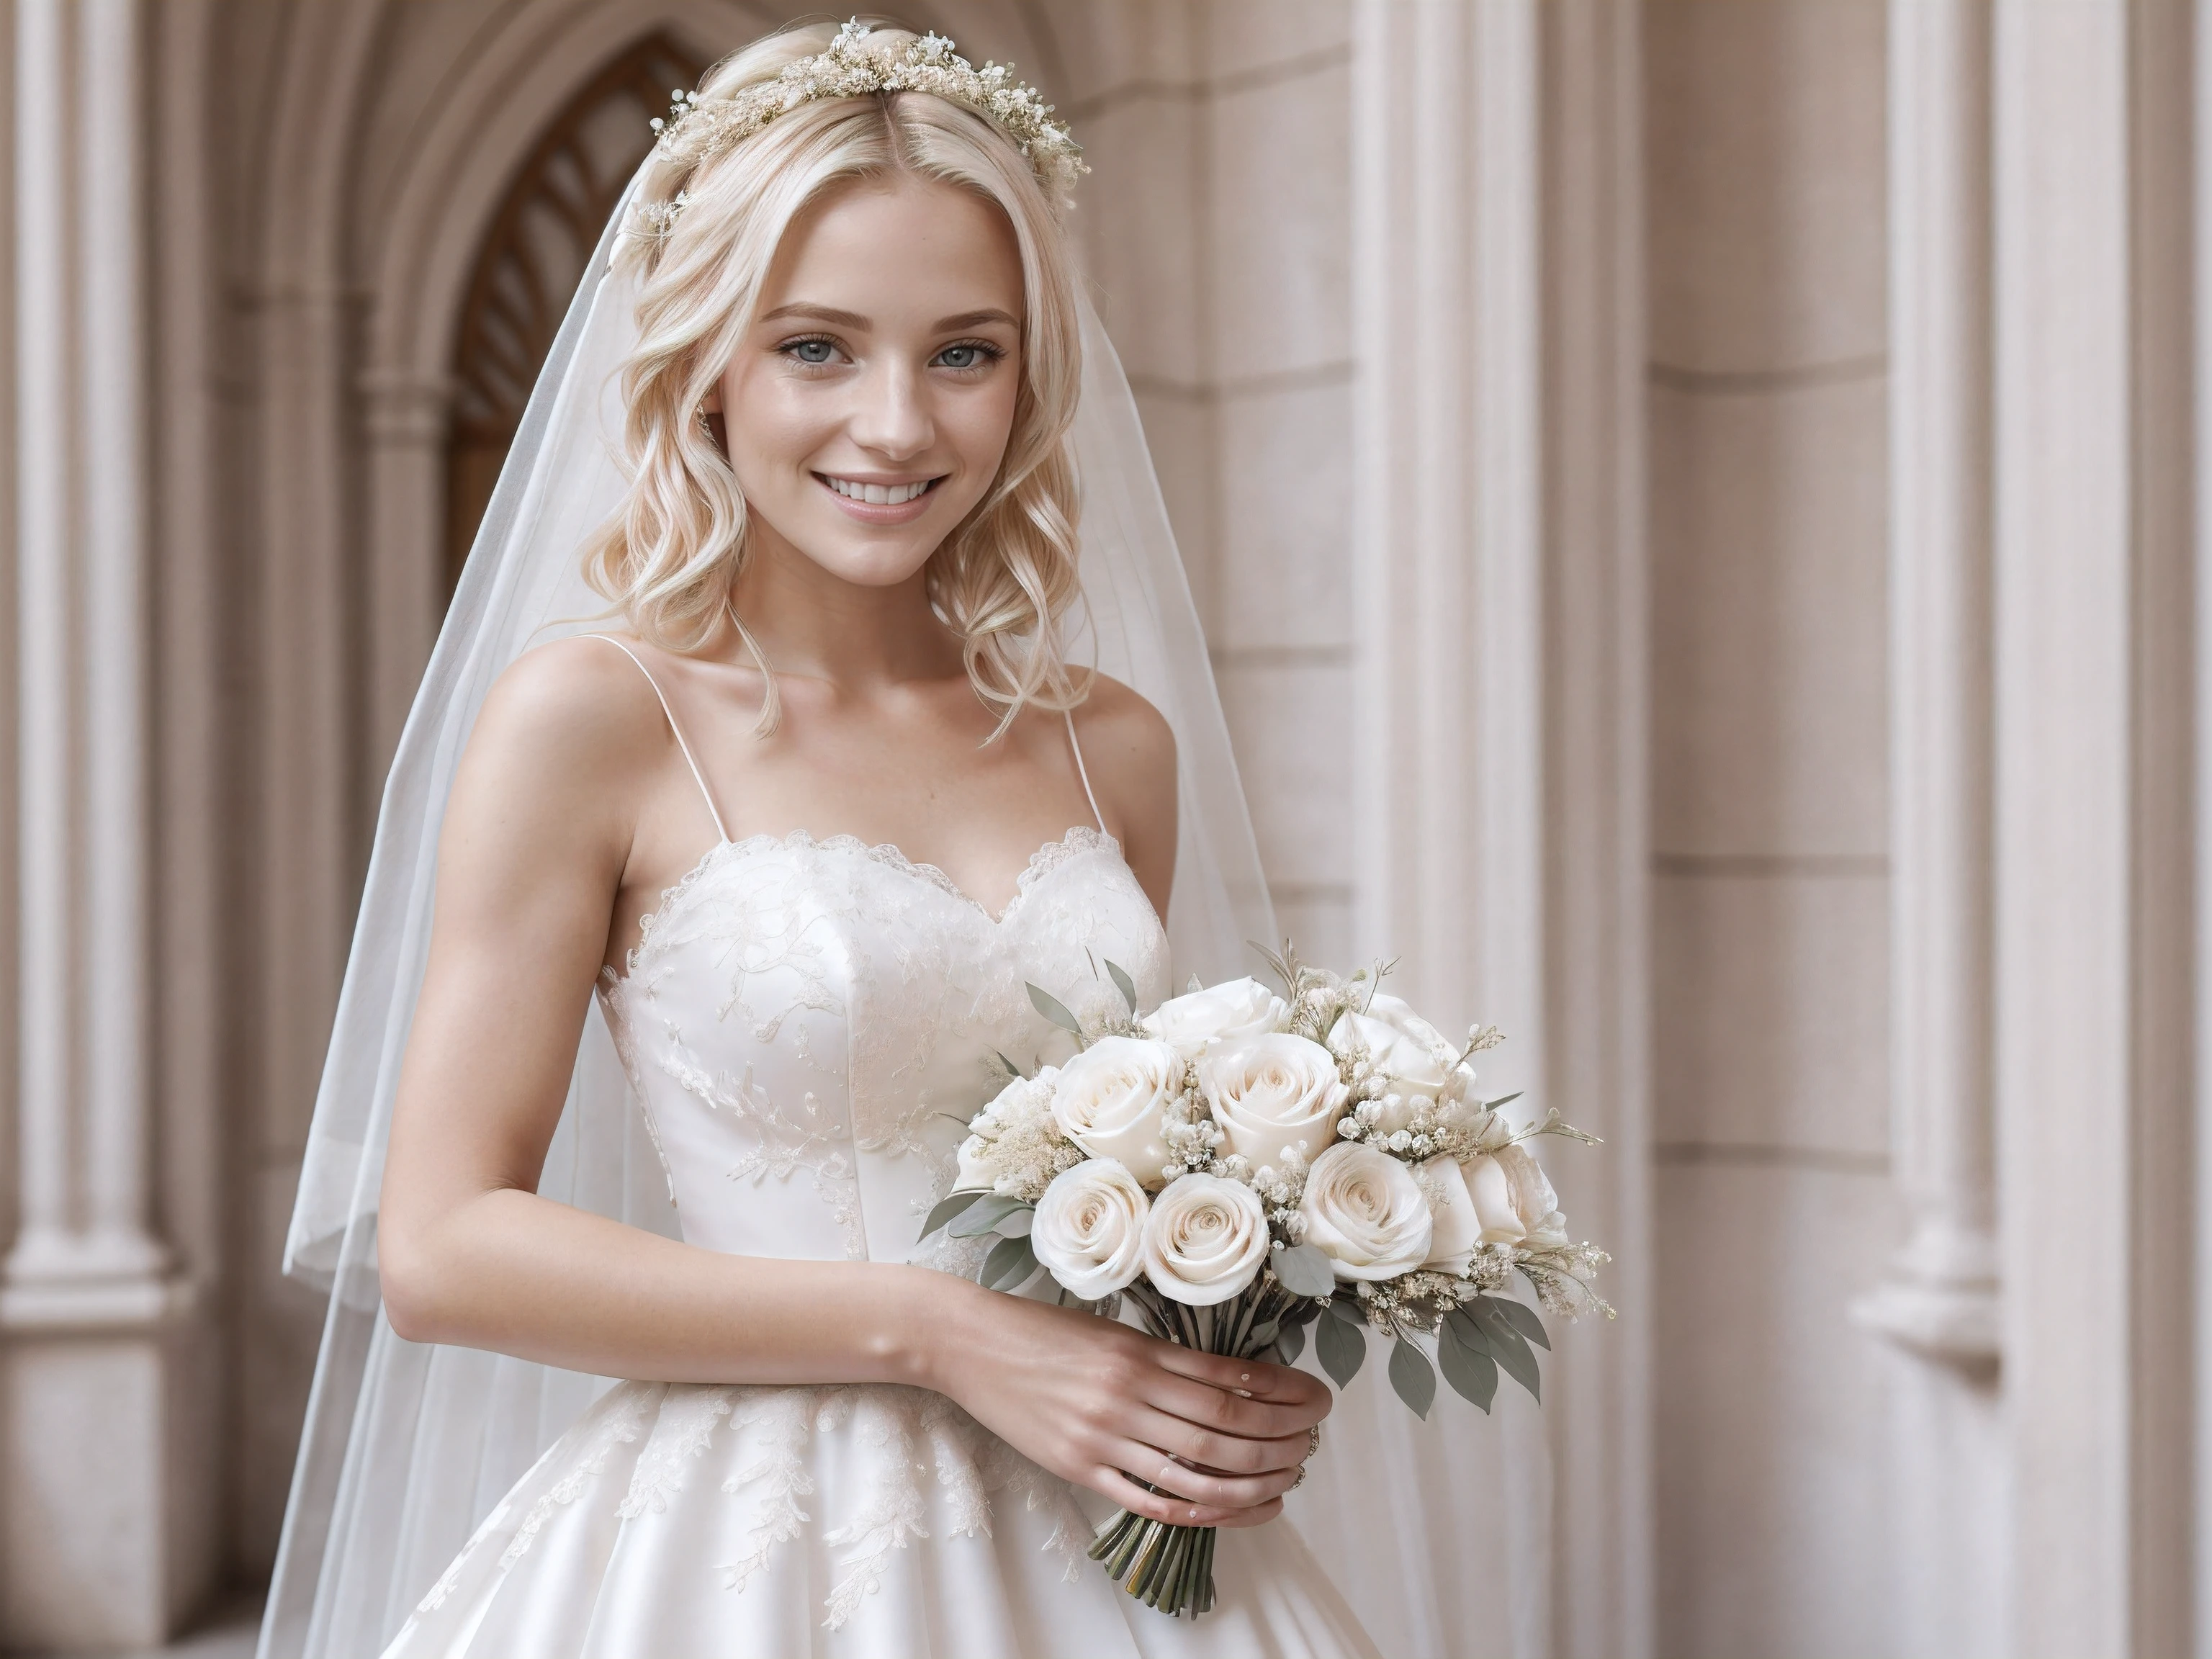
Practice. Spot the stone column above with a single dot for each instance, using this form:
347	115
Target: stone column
2092	833
90	1313
1940	1299
404	417
1448	490
1500	849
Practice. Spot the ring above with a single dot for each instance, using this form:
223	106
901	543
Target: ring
1313	1439
1300	1481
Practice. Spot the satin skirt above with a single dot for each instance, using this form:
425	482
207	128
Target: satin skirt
682	1522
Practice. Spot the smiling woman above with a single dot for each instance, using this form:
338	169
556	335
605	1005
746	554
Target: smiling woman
807	823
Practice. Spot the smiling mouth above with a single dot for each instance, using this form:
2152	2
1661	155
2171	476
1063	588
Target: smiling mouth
878	495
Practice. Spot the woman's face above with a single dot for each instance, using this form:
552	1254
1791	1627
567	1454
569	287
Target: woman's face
868	408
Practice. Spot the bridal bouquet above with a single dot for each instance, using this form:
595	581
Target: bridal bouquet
1238	1166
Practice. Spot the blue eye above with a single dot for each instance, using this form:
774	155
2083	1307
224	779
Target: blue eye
968	354
814	352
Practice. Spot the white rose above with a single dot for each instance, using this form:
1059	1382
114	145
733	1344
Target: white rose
1109	1100
1410	1054
1457	1228
1365	1212
1272	1092
1204	1239
1090	1228
1512	1200
1220	1013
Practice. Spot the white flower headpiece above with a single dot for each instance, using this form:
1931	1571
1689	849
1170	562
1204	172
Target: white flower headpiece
698	128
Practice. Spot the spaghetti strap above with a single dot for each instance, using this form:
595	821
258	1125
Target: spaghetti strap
1083	772
697	777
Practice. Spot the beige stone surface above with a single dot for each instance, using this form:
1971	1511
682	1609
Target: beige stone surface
1765	156
1769	728
1278	208
1250	37
1770	1489
1770	1020
1317	919
1138	220
1286	518
1179	431
1290	722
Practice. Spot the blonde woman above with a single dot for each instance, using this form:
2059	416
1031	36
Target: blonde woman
804	813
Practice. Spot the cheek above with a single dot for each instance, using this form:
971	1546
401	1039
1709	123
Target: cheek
770	429
979	423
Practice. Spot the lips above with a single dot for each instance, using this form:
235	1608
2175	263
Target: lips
887	502
877	495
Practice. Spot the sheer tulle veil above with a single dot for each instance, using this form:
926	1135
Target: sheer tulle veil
407	1447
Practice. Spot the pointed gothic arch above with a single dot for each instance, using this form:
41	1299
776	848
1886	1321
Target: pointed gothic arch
531	256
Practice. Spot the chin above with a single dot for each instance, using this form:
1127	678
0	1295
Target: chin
869	562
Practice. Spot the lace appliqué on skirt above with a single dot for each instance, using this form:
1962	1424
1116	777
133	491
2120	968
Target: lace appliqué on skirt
913	1444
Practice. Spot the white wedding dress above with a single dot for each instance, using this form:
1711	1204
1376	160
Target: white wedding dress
807	1025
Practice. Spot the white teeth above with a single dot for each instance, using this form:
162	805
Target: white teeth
881	495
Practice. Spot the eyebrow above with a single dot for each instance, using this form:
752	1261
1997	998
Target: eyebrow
853	320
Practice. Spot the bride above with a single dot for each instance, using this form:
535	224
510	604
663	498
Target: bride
821	793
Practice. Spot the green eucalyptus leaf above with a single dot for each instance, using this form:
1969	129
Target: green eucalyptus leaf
1523	1318
1412	1377
985	1217
1304	1271
1012	1070
1345	1306
1054	1010
1123	983
1262	1334
1340	1347
1502	1100
1462	1324
1016	1224
1469	1369
1009	1267
948	1207
1290	1343
1509	1349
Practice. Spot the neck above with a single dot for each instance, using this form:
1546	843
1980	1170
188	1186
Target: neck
813	622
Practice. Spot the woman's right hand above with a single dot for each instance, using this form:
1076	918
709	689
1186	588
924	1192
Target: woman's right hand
1105	1407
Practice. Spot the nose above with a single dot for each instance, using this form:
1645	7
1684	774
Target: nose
892	417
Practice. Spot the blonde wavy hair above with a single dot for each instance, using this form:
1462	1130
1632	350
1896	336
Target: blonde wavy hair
666	559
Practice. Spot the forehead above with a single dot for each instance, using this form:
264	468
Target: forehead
895	246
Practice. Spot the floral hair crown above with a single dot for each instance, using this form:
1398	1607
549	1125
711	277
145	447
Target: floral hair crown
698	128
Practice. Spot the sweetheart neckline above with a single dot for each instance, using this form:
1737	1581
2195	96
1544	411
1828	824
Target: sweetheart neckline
1082	837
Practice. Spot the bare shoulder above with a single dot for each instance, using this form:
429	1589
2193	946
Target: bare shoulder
1129	751
1117	716
564	738
573	702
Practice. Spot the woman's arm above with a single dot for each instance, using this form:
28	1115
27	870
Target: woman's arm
538	835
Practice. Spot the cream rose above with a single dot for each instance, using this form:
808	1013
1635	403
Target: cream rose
1513	1201
1109	1100
1220	1013
1411	1054
1090	1228
1272	1092
1456	1228
1204	1239
1365	1212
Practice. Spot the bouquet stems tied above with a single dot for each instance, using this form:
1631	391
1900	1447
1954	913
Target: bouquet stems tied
1166	1566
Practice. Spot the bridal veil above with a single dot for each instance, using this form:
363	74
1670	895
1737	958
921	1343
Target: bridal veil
406	1447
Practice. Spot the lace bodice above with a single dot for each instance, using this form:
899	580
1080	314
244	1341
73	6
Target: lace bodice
809	1025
